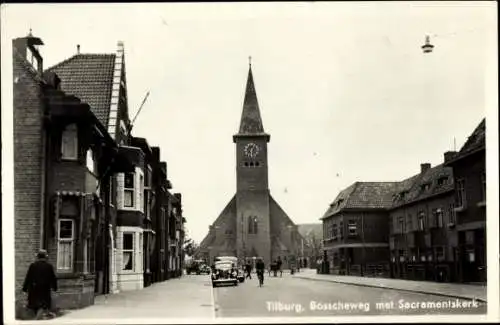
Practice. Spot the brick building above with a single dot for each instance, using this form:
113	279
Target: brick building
422	229
469	172
431	226
355	229
252	224
85	188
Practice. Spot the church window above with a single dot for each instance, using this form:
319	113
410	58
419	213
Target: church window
252	225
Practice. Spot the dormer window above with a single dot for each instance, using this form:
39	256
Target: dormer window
426	186
402	195
442	181
69	143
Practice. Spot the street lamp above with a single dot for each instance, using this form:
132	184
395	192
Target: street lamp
427	47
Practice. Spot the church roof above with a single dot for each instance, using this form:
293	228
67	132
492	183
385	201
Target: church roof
251	122
89	77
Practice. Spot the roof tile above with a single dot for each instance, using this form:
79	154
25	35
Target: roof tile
89	77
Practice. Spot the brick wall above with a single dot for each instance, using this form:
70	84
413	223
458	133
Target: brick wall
251	177
28	135
254	203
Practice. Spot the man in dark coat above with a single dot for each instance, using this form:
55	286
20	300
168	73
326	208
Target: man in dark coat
38	282
279	264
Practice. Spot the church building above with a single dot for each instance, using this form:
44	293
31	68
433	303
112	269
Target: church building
252	224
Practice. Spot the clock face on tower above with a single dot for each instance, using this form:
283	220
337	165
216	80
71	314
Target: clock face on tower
251	150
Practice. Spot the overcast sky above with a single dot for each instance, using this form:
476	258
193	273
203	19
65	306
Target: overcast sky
344	88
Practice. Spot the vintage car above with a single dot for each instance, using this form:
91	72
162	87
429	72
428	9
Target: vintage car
239	268
224	272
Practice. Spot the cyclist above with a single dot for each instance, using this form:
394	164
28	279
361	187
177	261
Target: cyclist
260	267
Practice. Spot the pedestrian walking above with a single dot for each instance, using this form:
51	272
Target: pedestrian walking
260	267
279	263
248	268
40	279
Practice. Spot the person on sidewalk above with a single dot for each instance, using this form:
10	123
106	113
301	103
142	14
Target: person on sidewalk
260	267
40	279
248	268
279	263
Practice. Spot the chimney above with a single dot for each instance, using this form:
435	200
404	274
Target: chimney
448	155
77	48
424	167
27	48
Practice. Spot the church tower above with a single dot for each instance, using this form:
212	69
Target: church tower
252	224
252	185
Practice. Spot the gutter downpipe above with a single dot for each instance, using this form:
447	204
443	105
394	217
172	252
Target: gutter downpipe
44	174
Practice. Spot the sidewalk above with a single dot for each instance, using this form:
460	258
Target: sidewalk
189	297
455	290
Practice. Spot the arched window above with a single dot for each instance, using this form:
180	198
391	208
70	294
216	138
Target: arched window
69	142
252	225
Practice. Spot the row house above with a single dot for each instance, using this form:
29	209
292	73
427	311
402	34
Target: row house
431	226
422	226
85	189
176	236
355	228
469	173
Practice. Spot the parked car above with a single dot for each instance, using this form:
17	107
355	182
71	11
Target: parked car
224	272
239	268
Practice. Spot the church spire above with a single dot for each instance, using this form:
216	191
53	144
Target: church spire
251	123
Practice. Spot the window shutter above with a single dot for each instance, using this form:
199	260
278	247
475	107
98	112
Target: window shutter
120	185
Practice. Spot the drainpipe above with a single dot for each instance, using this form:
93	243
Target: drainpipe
44	174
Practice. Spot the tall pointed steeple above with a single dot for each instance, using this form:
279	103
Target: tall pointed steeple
250	123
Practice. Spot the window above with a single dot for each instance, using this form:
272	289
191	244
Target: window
401	225
147	201
334	231
461	193
128	251
426	187
451	214
483	186
90	160
69	143
65	244
128	190
401	255
341	230
443	181
439	218
421	221
141	192
252	225
440	253
353	231
409	222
